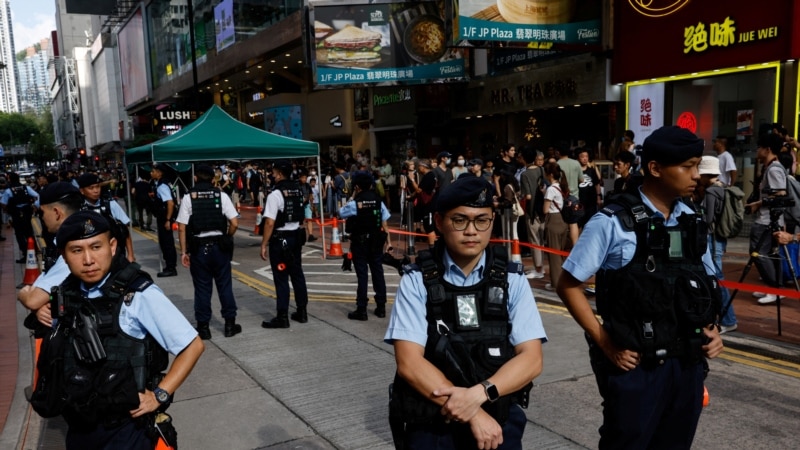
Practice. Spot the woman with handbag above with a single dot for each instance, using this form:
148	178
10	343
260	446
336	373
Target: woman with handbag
555	228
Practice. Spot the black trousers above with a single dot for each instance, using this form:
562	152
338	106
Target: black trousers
166	241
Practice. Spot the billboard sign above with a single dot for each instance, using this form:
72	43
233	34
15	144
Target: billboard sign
133	63
223	20
557	21
645	109
381	43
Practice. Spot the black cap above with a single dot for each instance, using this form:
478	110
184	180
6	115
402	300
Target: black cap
87	180
81	225
443	155
466	191
472	162
363	179
160	167
283	166
671	145
54	192
204	169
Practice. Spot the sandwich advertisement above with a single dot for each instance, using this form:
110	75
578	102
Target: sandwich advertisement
558	21
381	44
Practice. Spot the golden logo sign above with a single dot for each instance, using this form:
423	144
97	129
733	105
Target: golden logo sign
656	8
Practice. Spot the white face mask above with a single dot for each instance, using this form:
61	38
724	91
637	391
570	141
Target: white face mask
313	173
460	162
447	161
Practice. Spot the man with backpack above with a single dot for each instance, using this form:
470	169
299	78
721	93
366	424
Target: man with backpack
18	202
717	203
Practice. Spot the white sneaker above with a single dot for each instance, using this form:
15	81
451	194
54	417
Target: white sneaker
724	329
549	287
534	275
767	299
758	294
589	289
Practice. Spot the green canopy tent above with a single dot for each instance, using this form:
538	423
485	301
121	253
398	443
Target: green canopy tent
216	136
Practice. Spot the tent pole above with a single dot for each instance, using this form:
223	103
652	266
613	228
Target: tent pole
321	208
128	186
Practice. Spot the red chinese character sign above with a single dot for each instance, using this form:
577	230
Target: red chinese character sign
687	120
645	109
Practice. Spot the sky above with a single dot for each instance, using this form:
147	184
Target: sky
32	20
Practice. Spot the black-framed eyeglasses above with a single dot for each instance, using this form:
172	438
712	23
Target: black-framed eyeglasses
460	223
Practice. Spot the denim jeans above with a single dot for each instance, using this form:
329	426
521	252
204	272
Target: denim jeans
717	246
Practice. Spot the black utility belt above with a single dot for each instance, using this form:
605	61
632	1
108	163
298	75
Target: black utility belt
207	240
285	234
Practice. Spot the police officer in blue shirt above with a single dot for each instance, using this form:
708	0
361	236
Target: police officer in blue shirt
115	412
19	201
463	299
91	186
658	298
366	223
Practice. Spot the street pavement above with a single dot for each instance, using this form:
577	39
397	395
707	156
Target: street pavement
324	384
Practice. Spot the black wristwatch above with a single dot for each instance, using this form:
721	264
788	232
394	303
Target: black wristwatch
163	397
491	391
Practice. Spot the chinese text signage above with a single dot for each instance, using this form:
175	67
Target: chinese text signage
645	109
385	43
697	36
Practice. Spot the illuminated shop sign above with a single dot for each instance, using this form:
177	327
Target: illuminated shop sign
360	44
657	8
401	95
559	21
533	92
687	120
699	38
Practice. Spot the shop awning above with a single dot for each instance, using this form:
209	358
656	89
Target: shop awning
217	136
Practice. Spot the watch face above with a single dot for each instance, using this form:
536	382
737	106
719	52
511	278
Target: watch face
491	390
162	396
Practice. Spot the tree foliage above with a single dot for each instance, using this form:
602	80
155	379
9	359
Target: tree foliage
31	130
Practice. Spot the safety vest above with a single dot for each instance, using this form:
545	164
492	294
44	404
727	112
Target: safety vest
368	214
661	300
206	210
468	335
104	368
292	203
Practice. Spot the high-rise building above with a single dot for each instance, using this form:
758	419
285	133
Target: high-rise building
8	63
34	83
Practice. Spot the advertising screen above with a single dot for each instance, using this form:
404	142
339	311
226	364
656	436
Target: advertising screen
223	19
132	60
558	21
381	43
285	121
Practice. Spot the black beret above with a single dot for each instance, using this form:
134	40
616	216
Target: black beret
54	192
81	225
671	145
283	166
160	167
206	169
363	179
87	180
466	191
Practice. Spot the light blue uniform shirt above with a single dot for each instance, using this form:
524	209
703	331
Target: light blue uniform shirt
409	323
7	194
151	312
164	193
53	277
350	209
116	211
605	244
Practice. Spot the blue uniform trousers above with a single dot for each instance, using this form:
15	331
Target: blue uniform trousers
166	241
128	436
209	261
283	270
458	436
364	255
654	406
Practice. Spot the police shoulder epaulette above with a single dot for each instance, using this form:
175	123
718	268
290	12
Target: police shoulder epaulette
612	209
408	268
515	267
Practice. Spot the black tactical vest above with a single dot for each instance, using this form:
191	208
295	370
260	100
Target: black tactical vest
103	390
118	229
659	302
206	210
292	203
368	214
468	334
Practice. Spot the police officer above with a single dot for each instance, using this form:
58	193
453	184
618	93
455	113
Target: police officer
366	222
206	225
19	201
91	189
648	354
284	235
113	313
463	299
164	206
57	202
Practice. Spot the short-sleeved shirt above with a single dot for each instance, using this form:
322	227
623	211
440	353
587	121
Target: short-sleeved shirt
726	165
151	312
53	277
185	212
572	170
774	178
605	244
163	192
588	188
350	209
409	323
116	211
9	193
556	197
275	205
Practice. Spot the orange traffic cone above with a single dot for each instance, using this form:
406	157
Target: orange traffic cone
335	249
31	267
258	222
516	256
706	397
